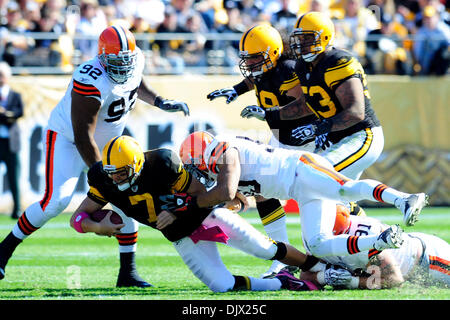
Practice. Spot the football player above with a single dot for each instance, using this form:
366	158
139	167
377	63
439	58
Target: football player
94	109
239	164
138	182
268	70
422	258
334	89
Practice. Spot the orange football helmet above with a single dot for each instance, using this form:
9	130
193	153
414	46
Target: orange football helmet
342	222
117	53
191	153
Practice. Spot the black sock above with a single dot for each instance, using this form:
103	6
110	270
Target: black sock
127	262
7	247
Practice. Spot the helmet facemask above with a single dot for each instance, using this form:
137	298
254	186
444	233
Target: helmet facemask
201	175
255	70
306	45
131	174
119	67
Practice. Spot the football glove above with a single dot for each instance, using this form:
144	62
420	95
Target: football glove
178	202
317	128
171	105
338	277
229	93
254	111
322	142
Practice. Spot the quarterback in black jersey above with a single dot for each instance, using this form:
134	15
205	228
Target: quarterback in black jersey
334	89
155	189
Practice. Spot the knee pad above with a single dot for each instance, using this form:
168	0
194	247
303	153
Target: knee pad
316	244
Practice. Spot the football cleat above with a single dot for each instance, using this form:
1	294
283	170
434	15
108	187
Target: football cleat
289	282
411	207
390	238
132	280
276	267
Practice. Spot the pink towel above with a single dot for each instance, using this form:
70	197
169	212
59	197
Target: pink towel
209	234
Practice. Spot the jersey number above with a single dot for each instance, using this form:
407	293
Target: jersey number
319	101
94	73
267	99
147	197
120	107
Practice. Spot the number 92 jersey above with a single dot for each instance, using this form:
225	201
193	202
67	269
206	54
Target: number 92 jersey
91	81
320	83
162	174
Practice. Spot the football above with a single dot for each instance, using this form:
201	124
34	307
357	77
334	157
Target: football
99	215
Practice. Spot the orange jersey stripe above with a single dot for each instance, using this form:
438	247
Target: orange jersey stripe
51	138
87	93
341	179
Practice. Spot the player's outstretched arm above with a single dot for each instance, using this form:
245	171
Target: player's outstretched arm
231	93
148	95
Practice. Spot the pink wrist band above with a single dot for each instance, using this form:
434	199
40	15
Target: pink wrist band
77	221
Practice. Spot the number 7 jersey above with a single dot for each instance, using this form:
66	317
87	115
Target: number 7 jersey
91	80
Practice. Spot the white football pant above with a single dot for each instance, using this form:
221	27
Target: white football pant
204	260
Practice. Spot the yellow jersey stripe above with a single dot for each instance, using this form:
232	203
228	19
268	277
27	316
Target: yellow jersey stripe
334	75
94	192
358	154
288	85
180	183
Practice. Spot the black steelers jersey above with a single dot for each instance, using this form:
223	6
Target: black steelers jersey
162	174
320	83
271	90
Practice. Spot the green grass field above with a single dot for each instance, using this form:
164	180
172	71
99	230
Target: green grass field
57	263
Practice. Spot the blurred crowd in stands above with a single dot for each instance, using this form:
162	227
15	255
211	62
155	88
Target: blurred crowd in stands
406	37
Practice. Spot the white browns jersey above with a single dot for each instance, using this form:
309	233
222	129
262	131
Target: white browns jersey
263	171
91	80
405	256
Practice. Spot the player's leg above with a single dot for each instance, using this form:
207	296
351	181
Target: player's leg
127	239
63	167
246	238
354	154
436	258
318	180
204	260
317	221
273	219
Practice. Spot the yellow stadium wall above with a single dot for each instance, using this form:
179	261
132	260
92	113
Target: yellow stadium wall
414	113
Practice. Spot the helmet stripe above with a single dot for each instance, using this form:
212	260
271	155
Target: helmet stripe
122	38
300	20
108	155
245	36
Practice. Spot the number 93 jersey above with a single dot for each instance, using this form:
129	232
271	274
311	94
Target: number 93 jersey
319	84
91	81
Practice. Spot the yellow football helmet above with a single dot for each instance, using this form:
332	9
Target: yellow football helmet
259	49
313	33
123	153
